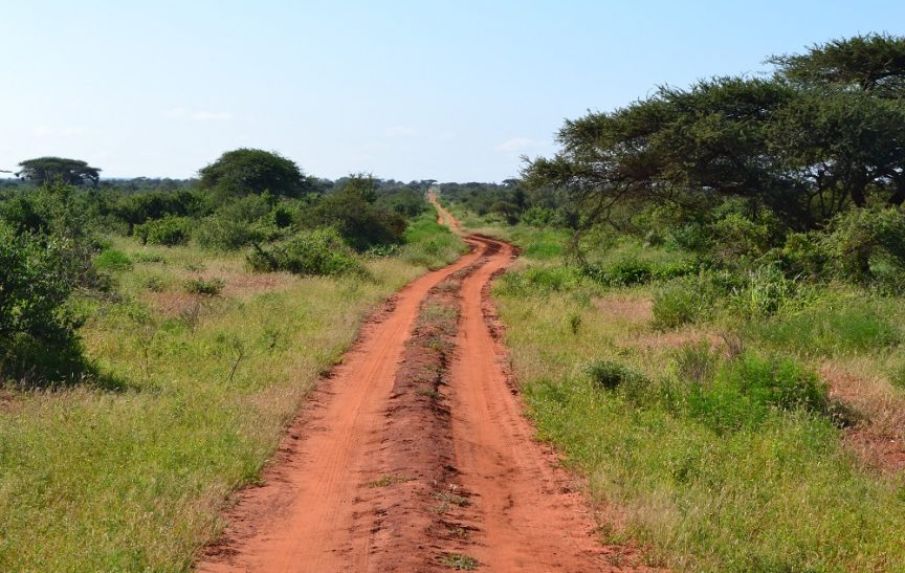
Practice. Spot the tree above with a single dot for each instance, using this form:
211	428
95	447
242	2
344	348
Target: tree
872	63
254	171
44	170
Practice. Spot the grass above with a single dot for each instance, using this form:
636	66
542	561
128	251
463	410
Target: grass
780	495
714	453
133	480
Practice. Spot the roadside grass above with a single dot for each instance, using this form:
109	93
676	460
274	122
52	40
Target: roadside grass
696	407
134	480
778	495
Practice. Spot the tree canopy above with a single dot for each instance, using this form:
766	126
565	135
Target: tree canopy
254	171
44	170
805	144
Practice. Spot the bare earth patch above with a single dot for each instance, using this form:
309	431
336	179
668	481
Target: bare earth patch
878	439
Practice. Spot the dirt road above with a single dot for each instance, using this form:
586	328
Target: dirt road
414	455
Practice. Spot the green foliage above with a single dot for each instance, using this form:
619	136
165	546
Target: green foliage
745	390
611	375
830	326
429	244
112	260
795	150
254	171
539	279
679	303
871	63
353	213
168	231
868	246
320	252
205	287
763	291
46	170
38	342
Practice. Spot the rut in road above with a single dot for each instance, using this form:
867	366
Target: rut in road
414	455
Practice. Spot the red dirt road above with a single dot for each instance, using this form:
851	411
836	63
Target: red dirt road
375	476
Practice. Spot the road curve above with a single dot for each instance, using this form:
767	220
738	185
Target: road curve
318	510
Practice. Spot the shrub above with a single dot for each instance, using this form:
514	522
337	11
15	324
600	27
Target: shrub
168	231
37	333
612	375
677	304
318	252
206	287
217	232
868	246
744	391
113	260
766	289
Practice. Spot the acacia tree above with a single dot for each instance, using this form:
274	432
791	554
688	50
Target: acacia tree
254	171
873	63
45	170
805	144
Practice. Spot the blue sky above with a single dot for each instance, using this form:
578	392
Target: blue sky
454	90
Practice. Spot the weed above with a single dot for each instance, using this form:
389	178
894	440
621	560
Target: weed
205	287
459	561
388	480
113	260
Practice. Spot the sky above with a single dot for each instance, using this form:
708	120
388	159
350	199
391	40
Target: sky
453	90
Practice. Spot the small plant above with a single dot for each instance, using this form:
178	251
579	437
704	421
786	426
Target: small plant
459	561
155	284
575	323
388	480
612	375
676	305
205	287
112	260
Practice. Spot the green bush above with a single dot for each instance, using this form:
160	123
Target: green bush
678	304
113	260
318	252
867	246
168	231
217	232
764	291
612	375
745	390
205	287
38	341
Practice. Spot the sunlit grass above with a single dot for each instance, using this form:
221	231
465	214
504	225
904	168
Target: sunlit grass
92	480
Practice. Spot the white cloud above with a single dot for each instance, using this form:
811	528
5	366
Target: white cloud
516	144
400	131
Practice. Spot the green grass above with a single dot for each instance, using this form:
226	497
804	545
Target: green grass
778	495
133	480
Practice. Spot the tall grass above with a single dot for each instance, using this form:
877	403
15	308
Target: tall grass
712	465
133	480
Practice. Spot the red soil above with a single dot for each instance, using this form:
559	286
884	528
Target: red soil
415	454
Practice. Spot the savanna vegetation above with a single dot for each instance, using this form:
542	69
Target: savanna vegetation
156	337
708	318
